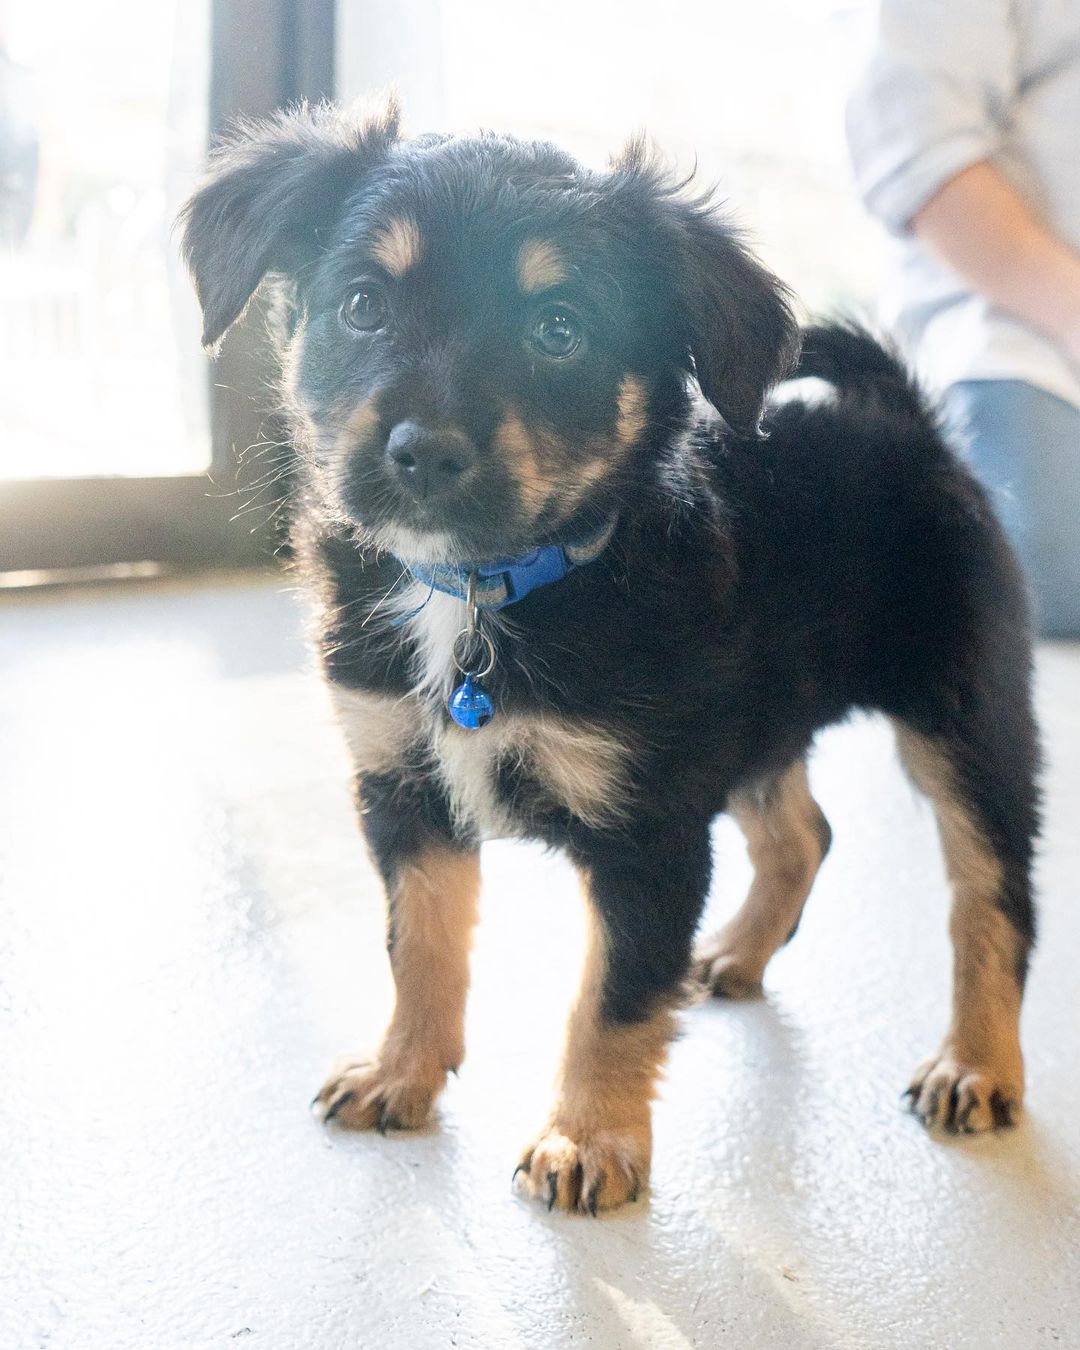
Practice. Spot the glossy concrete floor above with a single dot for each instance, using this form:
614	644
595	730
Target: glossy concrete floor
190	931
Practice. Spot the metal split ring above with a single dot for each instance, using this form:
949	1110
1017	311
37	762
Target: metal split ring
458	654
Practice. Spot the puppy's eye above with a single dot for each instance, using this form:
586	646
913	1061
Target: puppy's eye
557	332
364	308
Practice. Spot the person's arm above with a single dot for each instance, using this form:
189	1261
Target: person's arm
981	227
938	84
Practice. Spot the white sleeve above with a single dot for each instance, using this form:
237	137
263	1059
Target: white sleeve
931	99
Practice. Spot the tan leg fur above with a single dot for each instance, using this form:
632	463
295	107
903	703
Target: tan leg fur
976	1079
595	1151
787	837
434	907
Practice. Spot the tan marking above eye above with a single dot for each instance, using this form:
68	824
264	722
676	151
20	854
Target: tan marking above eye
540	266
632	399
397	246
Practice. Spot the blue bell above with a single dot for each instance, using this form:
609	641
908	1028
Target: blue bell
470	706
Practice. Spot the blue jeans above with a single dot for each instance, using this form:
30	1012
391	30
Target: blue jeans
1025	446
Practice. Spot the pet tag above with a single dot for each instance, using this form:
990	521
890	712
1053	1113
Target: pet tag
470	704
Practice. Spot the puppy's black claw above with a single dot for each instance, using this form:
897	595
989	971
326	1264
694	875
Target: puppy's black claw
577	1181
553	1189
592	1202
635	1186
336	1105
514	1176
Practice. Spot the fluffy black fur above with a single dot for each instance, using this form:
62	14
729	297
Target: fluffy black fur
758	586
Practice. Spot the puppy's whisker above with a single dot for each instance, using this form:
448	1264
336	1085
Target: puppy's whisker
385	596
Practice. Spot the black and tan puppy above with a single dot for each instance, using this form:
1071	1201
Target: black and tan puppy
492	360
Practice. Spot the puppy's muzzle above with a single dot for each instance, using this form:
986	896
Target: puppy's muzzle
429	464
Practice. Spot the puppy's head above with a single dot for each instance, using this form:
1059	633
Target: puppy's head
489	344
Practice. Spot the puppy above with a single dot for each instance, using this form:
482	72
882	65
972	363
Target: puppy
526	401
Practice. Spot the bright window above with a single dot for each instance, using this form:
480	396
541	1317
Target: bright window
103	121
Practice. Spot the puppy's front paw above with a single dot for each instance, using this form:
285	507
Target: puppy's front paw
724	972
378	1094
963	1097
586	1172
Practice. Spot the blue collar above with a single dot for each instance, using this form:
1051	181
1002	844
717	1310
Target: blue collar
503	581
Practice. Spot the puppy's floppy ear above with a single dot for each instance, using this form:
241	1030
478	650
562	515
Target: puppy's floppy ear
272	184
740	328
743	334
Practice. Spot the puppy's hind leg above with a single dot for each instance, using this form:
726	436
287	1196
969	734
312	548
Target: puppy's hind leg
981	783
787	837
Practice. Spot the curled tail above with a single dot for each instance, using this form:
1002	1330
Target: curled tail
862	369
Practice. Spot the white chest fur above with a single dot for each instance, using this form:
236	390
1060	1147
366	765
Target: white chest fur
577	766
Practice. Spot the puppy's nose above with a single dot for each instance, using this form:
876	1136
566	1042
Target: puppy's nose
428	463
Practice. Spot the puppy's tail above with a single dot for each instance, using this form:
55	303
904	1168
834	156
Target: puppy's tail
862	368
